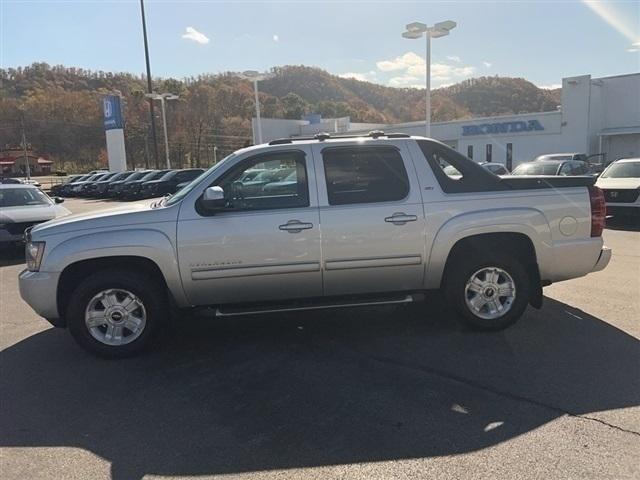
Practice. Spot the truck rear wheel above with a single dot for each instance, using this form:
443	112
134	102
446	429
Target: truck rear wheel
116	313
489	294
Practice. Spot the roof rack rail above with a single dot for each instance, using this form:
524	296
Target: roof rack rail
326	136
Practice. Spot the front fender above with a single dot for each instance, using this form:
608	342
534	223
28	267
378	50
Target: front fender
147	243
526	221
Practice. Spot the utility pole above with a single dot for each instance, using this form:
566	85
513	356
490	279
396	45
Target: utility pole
149	86
24	149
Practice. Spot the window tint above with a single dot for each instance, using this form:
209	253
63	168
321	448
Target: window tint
364	175
471	177
565	169
281	182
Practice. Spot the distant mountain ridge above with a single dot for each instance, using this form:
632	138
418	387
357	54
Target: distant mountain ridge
61	108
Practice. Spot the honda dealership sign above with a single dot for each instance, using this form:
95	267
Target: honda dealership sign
113	126
519	126
112	112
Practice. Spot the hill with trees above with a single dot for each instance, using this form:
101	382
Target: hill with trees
61	110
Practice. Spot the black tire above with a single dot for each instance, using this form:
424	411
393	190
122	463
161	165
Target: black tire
150	292
460	272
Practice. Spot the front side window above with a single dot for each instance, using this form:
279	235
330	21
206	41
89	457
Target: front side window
280	183
364	175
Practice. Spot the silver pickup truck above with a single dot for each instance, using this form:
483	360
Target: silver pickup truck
317	223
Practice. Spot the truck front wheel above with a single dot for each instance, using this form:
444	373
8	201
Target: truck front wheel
115	313
489	294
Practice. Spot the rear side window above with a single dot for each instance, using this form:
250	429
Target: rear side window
456	173
364	175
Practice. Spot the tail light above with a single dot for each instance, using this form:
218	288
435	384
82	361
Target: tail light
598	211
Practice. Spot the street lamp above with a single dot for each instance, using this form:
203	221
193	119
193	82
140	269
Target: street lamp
414	31
256	77
162	97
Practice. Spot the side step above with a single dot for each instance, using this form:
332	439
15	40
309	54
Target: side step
233	311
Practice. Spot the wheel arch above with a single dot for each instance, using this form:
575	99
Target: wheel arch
75	272
516	243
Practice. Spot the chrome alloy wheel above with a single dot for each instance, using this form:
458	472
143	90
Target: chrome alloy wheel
115	317
490	293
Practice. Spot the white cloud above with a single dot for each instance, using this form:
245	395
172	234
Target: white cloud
362	76
633	49
356	76
276	38
553	86
403	62
454	58
405	81
198	37
411	70
487	64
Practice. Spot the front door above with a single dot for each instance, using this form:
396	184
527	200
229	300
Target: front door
265	244
372	219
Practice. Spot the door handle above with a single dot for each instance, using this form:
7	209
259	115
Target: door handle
295	226
400	218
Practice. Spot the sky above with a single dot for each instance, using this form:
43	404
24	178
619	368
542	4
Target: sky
542	41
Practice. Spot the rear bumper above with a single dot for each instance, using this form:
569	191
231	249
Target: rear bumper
603	259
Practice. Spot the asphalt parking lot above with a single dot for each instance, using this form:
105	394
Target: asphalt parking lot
392	392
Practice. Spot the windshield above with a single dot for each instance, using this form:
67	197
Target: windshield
622	170
535	168
187	188
554	157
152	175
22	197
136	176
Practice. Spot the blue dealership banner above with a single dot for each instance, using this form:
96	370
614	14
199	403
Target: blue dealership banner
502	127
112	112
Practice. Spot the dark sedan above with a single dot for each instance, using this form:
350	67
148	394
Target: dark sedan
131	188
115	188
57	189
99	189
169	182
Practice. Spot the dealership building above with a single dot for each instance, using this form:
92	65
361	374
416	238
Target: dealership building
596	116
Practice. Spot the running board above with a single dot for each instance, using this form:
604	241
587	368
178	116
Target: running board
254	310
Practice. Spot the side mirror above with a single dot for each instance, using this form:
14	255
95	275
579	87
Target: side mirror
213	198
58	199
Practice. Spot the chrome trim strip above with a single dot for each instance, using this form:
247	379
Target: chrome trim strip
406	299
253	270
370	262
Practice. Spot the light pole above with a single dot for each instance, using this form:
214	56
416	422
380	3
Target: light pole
149	84
415	31
256	77
162	97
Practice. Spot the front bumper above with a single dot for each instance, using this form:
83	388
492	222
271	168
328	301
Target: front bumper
603	259
39	290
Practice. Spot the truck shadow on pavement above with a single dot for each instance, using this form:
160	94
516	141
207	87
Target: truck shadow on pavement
323	388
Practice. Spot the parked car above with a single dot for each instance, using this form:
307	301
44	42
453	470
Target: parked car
562	168
131	189
10	181
115	188
495	168
620	183
73	189
168	183
99	188
57	189
595	162
351	233
87	187
22	206
30	181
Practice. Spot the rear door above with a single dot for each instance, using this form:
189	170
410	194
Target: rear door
372	218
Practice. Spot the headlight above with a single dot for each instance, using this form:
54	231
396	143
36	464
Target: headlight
33	253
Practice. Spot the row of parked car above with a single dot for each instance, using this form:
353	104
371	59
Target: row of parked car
129	185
